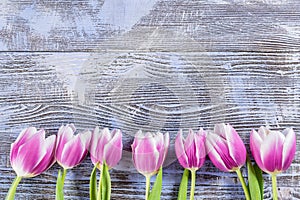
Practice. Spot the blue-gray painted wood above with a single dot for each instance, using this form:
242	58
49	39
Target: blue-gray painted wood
150	65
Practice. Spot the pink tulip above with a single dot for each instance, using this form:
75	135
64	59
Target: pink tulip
273	151
71	149
31	154
149	152
225	148
106	146
191	151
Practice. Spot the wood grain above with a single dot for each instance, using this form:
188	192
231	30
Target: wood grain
167	66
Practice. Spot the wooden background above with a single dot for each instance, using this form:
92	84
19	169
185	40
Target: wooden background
150	65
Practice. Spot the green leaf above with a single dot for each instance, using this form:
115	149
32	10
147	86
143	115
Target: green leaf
182	194
260	179
93	184
60	185
156	189
105	183
253	184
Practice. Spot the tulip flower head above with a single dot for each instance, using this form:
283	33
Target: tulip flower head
106	146
273	151
191	151
225	148
149	152
32	154
71	149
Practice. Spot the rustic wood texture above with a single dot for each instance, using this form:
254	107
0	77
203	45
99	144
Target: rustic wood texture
151	65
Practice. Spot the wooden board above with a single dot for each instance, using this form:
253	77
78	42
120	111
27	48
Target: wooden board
154	65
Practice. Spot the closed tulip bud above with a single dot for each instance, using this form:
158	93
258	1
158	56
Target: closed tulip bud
227	151
71	149
191	151
225	148
149	152
273	151
31	154
106	147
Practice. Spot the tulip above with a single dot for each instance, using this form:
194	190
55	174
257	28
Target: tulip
106	152
227	151
191	153
273	151
148	153
106	146
30	155
70	151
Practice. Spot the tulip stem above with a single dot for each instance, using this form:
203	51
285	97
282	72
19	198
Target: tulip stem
242	180
147	186
274	187
13	188
193	183
99	197
60	184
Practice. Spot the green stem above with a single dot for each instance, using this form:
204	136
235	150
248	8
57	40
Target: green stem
193	183
13	188
100	183
274	187
147	186
64	175
245	188
60	184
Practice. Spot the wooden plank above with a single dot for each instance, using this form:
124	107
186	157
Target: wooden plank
161	66
88	25
150	91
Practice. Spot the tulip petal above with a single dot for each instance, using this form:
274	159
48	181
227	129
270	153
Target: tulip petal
289	148
138	136
255	145
263	132
222	149
164	142
113	150
64	135
93	144
74	151
99	139
215	157
180	151
30	154
23	137
105	137
220	129
145	155
48	159
200	138
271	151
159	140
85	138
146	163
190	149
146	144
236	147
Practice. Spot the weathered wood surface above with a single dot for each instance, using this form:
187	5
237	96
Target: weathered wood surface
150	65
